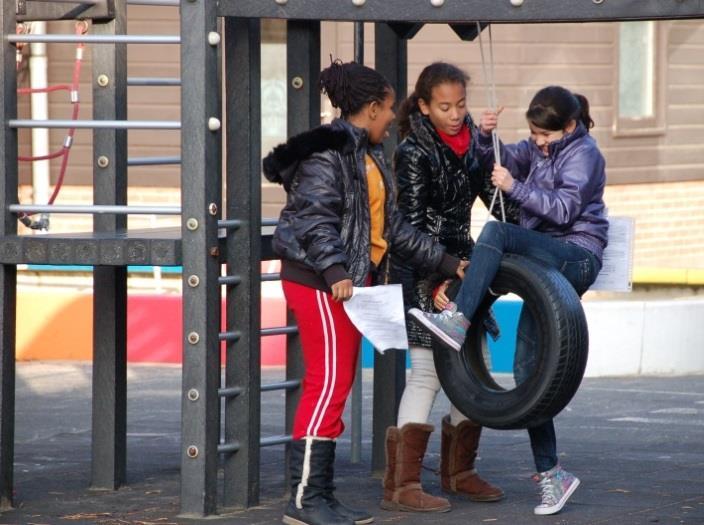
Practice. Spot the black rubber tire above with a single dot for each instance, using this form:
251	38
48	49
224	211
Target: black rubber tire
562	342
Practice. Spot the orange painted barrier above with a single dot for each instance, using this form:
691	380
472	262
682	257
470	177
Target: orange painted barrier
59	326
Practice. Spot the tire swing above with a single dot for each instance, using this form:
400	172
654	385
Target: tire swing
552	331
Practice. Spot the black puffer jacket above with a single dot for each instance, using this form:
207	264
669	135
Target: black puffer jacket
323	235
436	191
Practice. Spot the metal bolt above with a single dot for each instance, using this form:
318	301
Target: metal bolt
192	451
437	3
598	1
282	2
213	124
193	338
193	281
192	224
214	251
516	3
297	82
103	80
103	161
193	394
213	38
212	208
359	3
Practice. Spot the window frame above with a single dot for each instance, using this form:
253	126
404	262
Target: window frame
647	126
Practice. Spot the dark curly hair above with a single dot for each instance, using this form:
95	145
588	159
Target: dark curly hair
350	86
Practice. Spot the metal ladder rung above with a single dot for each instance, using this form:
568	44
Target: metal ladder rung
281	330
229	280
266	277
230	224
232	391
270	441
153	81
291	384
228	448
270	222
95	124
96	209
229	336
152	161
162	3
95	39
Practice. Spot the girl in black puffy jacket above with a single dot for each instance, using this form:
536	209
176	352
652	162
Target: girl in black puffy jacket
336	230
439	178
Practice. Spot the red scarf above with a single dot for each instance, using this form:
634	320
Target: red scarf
458	143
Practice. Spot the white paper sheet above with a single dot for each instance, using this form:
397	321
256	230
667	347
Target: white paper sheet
616	274
377	312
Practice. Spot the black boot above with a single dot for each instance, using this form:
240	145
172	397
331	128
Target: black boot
359	517
310	460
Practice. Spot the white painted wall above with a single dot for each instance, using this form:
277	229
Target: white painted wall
645	337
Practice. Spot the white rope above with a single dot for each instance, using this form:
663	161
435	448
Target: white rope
491	98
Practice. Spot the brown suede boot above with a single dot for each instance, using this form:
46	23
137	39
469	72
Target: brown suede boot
405	448
458	450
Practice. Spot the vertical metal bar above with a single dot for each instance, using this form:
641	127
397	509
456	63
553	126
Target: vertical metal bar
390	368
8	272
201	190
243	107
303	60
357	395
109	418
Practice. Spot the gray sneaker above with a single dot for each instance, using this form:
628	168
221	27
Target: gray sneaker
556	487
449	327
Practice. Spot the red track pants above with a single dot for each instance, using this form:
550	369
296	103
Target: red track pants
330	350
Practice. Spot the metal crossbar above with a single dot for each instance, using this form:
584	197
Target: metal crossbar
467	11
94	39
95	124
95	209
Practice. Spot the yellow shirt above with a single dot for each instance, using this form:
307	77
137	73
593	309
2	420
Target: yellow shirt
377	197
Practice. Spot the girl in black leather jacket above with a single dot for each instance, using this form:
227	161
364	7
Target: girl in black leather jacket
439	178
336	230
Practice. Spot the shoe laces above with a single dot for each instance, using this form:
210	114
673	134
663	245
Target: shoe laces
548	492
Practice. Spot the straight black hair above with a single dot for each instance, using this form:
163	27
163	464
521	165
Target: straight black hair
553	107
433	75
350	86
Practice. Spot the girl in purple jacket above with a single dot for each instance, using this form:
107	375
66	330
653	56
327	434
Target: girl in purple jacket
557	179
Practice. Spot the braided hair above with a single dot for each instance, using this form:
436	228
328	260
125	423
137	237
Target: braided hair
350	86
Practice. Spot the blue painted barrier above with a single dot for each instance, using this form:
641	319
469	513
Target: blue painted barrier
502	351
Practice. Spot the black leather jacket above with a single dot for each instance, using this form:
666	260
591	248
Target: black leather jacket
323	235
436	191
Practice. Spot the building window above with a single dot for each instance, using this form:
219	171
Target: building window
640	80
273	97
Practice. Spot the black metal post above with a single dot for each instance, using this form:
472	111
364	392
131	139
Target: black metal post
8	272
109	418
303	103
201	190
357	394
390	368
243	362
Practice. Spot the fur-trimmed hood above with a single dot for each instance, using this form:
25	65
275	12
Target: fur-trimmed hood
280	164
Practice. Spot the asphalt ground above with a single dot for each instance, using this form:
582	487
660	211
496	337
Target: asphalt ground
637	444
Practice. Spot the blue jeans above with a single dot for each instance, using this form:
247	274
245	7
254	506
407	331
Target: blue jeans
579	266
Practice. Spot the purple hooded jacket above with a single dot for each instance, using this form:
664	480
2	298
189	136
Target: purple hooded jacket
561	194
